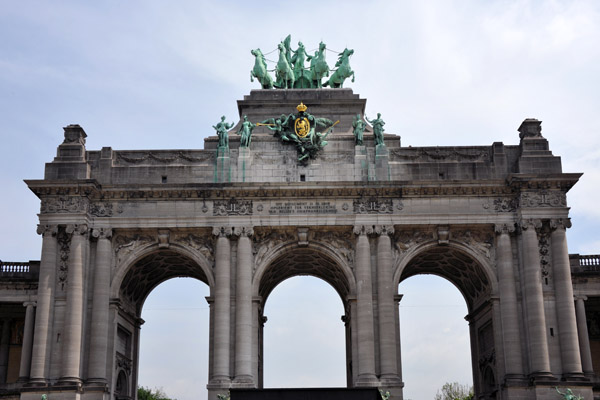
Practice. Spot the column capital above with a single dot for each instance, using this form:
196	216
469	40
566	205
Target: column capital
246	231
43	229
363	230
530	223
504	228
580	297
222	231
77	229
102	233
383	229
29	304
560	223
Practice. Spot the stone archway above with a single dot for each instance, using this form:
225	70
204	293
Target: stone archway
454	263
141	276
319	260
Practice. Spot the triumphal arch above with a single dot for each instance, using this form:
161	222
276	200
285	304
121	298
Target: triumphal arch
303	185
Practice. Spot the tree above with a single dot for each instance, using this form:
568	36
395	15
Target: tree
144	393
455	391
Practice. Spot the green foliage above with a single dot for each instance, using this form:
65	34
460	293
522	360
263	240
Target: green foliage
144	393
455	391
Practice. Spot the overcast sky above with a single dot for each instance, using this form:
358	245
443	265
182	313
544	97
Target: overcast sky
157	74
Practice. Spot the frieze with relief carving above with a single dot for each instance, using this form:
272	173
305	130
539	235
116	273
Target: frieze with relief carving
64	204
502	204
341	241
64	244
544	248
232	207
544	198
105	209
126	244
478	240
202	244
373	205
265	240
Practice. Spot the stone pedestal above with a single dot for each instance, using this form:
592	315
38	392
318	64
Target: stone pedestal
361	165
382	163
244	165
223	167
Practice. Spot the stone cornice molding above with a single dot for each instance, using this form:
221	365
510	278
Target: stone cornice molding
560	223
77	229
504	228
102	233
246	231
222	231
45	230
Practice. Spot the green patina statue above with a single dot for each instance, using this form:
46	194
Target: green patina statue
260	70
291	72
569	395
358	126
301	129
246	132
318	67
377	129
222	128
336	80
224	396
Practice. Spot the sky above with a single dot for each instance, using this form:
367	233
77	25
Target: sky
158	75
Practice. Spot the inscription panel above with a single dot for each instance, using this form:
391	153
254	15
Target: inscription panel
302	207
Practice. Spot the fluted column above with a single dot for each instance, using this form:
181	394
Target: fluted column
25	365
539	358
584	338
565	307
385	301
73	326
366	335
100	307
45	299
222	303
243	307
509	311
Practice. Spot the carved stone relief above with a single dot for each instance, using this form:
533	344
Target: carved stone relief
154	158
125	244
64	204
544	198
478	240
105	209
373	205
264	240
202	244
64	244
232	207
544	247
340	241
502	204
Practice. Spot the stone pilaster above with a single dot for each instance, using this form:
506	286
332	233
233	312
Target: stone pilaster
584	338
25	366
45	300
565	307
100	307
539	358
364	300
73	326
509	311
4	347
243	307
385	301
222	306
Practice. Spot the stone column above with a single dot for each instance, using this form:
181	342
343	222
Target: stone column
584	338
509	311
73	326
565	307
364	300
385	302
222	307
4	347
25	365
243	308
45	299
539	359
100	308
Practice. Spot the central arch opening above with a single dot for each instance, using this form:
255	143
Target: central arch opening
304	336
304	293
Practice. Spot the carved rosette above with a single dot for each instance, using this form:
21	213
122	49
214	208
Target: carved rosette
64	204
543	198
373	205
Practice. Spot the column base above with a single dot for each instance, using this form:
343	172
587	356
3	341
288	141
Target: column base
219	382
367	380
96	383
542	376
37	382
390	379
574	376
243	381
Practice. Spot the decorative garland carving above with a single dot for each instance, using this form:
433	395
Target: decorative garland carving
503	204
64	244
232	207
423	155
104	209
63	204
543	198
373	206
168	159
544	248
